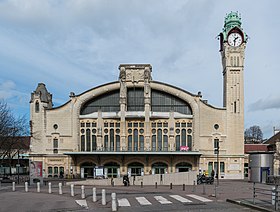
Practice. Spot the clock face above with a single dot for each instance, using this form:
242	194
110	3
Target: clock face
235	39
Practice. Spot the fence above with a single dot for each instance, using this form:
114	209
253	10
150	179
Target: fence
267	197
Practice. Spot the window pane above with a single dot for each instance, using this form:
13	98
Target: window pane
130	143
93	143
88	140
106	143
50	169
118	142
82	143
184	137
153	143
165	140
55	143
135	137
112	140
141	143
159	137
190	142
55	170
222	167
177	143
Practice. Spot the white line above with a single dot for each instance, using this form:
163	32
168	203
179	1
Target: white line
162	200
82	203
202	199
123	202
179	198
143	201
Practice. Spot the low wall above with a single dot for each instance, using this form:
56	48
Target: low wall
187	178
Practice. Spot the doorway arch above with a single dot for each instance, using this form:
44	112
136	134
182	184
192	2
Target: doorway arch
183	167
135	169
87	169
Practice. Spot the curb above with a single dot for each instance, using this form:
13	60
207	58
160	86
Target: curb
239	202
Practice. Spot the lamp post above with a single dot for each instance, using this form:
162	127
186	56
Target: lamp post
18	168
216	151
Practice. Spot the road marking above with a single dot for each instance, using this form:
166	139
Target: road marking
179	198
143	201
202	199
82	203
123	202
162	200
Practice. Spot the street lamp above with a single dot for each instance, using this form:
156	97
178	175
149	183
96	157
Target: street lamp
216	151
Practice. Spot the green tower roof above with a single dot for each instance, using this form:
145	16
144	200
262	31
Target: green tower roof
232	20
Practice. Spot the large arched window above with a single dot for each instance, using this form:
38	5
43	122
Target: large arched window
108	102
164	102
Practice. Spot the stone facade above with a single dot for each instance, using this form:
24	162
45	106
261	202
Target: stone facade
140	126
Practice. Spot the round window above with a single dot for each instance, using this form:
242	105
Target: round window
165	131
55	126
177	131
106	130
129	131
117	131
189	131
82	131
94	131
154	131
141	131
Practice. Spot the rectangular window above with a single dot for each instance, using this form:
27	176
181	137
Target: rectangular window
234	107
55	146
210	167
87	124
141	124
153	143
189	124
93	124
82	143
50	170
216	143
130	143
183	125
111	124
222	167
55	170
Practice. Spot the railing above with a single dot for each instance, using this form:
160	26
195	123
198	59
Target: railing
266	197
108	149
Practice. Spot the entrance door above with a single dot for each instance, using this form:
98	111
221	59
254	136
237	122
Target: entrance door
159	168
183	167
87	170
264	174
112	169
135	169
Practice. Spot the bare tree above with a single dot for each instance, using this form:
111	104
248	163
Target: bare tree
11	131
253	135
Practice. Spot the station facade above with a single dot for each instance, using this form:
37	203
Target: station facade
140	126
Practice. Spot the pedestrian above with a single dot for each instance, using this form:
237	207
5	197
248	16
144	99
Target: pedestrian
212	173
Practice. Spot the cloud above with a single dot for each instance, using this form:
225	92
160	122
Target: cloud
265	104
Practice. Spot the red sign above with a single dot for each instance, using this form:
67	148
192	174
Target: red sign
184	148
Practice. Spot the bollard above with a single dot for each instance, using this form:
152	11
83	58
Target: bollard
72	190
26	186
38	187
193	190
156	184
141	184
170	185
184	187
114	202
94	194
14	186
203	192
83	192
254	193
60	188
103	197
50	187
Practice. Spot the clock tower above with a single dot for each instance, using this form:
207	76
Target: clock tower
232	47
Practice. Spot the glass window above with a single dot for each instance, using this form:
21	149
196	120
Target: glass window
153	143
55	170
177	124
82	124
106	124
55	143
222	167
165	141
93	124
141	124
93	142
159	136
216	143
118	144
141	143
82	143
111	124
135	99
135	138
108	102
61	169
165	124
184	139
183	125
130	143
189	124
190	142
50	170
112	140
37	107
177	142
106	143
87	124
88	140
135	124
118	124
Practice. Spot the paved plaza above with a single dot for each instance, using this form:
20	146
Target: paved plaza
148	198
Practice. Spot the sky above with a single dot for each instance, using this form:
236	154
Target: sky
75	45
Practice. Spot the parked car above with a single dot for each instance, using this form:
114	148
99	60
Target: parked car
6	180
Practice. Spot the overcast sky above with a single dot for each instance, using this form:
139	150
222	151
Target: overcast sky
74	45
